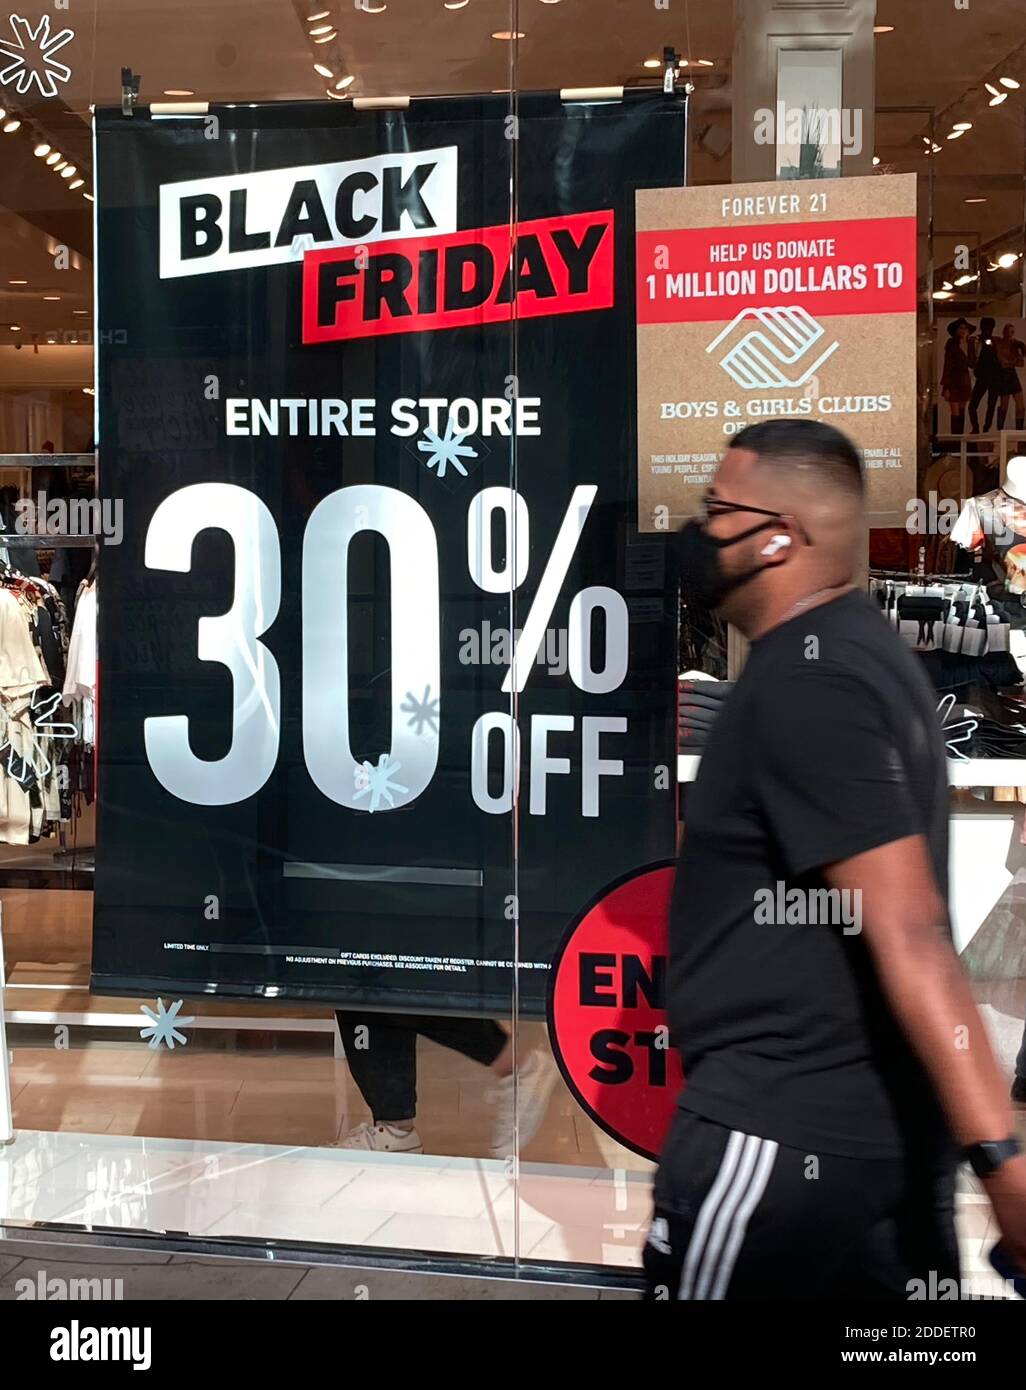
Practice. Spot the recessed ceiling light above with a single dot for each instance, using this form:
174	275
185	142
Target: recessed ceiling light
1007	259
876	159
992	89
53	158
321	14
459	4
325	72
76	183
322	29
328	38
706	63
508	34
88	391
955	135
179	92
965	280
15	327
994	101
975	200
652	63
335	96
883	28
344	82
82	313
11	126
1009	82
51	298
41	150
88	197
942	294
69	171
962	125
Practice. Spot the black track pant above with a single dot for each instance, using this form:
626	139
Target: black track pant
739	1217
383	1059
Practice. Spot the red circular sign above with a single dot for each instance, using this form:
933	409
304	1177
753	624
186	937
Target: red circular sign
607	1011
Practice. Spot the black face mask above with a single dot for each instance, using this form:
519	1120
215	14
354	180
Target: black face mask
698	555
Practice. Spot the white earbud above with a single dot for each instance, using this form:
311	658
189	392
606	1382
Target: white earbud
777	543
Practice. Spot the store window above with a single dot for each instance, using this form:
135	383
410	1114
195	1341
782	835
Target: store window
356	363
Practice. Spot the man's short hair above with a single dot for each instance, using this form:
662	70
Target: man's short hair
808	445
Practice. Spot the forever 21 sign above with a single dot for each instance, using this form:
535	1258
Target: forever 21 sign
313	750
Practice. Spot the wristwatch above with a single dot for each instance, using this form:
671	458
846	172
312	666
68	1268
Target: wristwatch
986	1158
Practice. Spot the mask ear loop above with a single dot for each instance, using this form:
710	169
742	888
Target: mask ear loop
722	543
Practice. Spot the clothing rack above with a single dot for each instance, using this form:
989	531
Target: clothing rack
48	460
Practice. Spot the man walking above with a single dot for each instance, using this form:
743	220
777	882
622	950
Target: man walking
836	1066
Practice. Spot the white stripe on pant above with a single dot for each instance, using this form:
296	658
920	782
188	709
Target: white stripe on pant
723	1219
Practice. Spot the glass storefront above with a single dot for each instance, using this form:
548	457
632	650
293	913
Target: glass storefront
356	363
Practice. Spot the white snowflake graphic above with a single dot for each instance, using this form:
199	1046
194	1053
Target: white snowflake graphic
379	782
162	1029
31	52
422	712
959	731
445	449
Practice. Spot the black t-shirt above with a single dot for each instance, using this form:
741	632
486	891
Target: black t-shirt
828	747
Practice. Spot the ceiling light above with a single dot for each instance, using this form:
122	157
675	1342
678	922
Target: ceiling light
344	82
883	28
508	35
322	29
462	4
15	327
321	14
328	38
652	63
955	135
965	280
325	72
17	282
88	197
58	167
11	126
179	92
82	313
947	285
1007	259
876	159
69	171
76	183
335	96
1009	82
962	125
706	63
88	391
994	101
992	89
51	298
53	158
974	200
373	9
40	150
942	294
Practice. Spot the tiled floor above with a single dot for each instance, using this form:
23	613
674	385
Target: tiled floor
450	1205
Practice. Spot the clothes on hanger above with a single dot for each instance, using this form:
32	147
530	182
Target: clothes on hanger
35	734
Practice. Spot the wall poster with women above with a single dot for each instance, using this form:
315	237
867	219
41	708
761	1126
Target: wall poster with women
981	373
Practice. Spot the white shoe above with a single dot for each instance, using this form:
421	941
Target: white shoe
385	1139
536	1078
